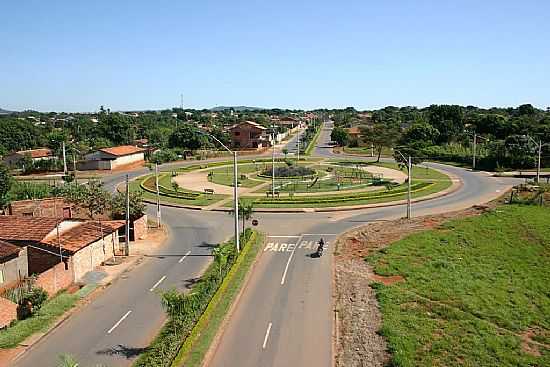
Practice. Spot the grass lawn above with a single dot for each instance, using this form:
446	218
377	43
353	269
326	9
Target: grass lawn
195	348
50	311
202	200
311	202
367	151
419	172
472	288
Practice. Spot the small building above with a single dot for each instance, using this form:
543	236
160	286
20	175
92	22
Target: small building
48	207
249	135
13	263
354	132
113	158
80	245
15	159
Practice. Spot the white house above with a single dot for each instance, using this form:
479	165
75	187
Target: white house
113	158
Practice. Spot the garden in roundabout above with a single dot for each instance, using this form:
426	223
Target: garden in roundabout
309	183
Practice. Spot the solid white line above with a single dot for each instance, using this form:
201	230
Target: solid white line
184	256
118	322
286	267
283	236
157	283
266	335
320	234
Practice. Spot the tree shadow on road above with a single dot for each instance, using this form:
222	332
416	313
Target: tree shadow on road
123	351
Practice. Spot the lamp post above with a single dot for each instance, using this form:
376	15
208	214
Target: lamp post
235	188
539	146
158	193
409	179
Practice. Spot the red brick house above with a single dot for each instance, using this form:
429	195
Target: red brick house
249	135
81	245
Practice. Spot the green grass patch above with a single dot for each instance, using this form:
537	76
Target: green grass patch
313	141
471	289
197	344
201	200
39	322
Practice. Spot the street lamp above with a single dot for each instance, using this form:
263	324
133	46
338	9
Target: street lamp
409	179
474	155
539	146
235	191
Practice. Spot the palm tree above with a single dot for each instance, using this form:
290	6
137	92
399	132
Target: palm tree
66	360
245	211
176	187
285	152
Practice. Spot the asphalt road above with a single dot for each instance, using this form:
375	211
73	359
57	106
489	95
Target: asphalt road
284	317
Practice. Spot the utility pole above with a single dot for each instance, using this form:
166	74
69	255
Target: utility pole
538	161
474	155
64	159
236	201
273	164
127	239
298	146
409	169
158	193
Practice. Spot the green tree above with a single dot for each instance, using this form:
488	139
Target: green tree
381	135
116	128
91	197
187	136
118	205
246	209
420	134
340	136
6	183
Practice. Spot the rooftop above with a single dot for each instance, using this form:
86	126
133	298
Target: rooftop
37	153
122	150
80	236
7	251
17	228
252	123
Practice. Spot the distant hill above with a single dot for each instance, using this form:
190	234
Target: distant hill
5	112
235	108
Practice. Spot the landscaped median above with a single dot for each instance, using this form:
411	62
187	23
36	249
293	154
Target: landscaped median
194	318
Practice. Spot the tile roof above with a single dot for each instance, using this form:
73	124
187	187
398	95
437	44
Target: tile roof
354	130
255	124
122	150
76	238
26	228
37	153
8	250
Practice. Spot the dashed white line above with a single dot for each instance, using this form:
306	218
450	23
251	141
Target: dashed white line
119	321
184	256
157	283
266	335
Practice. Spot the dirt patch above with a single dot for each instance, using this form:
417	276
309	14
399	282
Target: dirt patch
387	280
527	345
358	342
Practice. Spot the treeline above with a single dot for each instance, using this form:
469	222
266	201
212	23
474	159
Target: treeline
506	137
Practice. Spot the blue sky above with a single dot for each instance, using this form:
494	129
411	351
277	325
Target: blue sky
77	55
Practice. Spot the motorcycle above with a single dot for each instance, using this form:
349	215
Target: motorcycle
320	249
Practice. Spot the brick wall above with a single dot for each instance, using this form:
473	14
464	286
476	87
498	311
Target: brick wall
40	261
93	255
8	312
51	208
57	278
140	228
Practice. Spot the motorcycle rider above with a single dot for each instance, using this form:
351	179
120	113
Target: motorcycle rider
321	245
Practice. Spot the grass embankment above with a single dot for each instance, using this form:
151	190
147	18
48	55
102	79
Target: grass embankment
197	344
476	291
50	311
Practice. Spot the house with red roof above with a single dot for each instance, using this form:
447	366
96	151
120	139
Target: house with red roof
249	135
112	158
14	159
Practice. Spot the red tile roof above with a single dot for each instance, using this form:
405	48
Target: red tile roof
122	150
7	250
37	153
25	228
251	123
78	237
354	130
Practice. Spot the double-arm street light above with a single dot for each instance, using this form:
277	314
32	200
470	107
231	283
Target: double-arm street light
409	179
235	188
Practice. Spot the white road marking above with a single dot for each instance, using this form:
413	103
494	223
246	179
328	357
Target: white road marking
157	283
320	234
288	262
266	335
119	321
184	256
283	236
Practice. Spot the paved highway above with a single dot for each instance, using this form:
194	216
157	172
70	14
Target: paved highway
284	317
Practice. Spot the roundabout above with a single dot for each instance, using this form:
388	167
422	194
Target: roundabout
312	184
